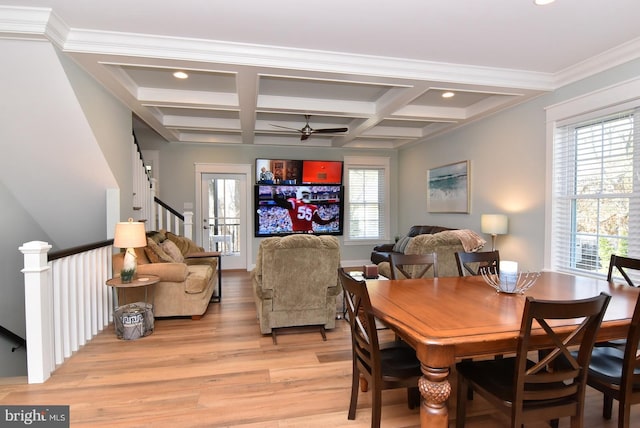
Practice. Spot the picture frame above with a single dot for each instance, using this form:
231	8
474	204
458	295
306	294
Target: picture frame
448	188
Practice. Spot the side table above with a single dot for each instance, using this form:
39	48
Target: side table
133	320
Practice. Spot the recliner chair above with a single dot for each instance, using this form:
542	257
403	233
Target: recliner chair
295	282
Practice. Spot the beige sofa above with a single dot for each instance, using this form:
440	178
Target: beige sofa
295	281
445	244
186	284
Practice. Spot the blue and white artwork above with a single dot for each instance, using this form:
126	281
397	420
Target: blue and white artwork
448	188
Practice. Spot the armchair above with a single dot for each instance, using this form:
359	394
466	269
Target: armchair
295	282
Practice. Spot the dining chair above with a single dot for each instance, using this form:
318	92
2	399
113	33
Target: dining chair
474	263
616	373
552	386
406	266
621	264
384	366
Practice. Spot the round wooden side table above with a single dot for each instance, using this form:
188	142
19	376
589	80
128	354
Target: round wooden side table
133	320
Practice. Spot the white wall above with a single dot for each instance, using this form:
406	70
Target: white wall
64	141
51	161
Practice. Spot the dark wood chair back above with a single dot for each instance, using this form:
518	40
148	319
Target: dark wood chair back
405	266
474	263
384	366
622	264
553	386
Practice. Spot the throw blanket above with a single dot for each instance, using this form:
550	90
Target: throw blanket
471	241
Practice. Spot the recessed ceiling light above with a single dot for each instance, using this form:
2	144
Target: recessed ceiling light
180	75
447	94
543	2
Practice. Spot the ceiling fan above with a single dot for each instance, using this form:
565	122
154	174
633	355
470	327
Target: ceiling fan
307	130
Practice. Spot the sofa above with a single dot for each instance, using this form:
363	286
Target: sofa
186	283
445	243
295	282
381	252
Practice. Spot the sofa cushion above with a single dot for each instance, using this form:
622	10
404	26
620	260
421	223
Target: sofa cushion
401	245
155	253
185	245
172	251
198	278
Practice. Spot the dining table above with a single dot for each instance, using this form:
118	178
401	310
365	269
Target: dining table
451	318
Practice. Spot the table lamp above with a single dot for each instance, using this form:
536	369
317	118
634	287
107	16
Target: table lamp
494	224
129	235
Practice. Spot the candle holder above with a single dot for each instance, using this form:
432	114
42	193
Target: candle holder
512	284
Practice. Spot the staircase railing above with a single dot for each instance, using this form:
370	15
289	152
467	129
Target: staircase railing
14	338
66	301
171	220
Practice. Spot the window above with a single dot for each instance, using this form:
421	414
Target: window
367	190
595	190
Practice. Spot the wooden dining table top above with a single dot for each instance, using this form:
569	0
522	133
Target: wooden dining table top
450	318
469	318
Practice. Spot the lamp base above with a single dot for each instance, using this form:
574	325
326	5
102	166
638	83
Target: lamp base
129	266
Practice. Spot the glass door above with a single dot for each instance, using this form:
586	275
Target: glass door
224	217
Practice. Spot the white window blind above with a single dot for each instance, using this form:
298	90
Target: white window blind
367	210
595	205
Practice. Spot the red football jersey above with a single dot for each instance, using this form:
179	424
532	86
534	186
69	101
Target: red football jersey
301	215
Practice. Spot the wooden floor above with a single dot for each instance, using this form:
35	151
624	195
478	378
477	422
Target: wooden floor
220	372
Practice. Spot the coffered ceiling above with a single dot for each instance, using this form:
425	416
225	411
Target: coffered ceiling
379	69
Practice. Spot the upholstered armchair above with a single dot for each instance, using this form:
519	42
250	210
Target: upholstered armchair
295	282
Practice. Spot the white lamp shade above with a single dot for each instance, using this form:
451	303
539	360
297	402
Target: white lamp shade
129	234
494	224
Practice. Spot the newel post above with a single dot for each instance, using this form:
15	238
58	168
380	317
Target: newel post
38	311
188	224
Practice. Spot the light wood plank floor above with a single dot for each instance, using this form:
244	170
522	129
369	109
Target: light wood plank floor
220	372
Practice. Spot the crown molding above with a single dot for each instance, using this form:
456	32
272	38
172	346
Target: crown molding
211	51
621	54
43	23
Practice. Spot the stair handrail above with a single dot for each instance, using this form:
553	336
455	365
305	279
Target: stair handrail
21	342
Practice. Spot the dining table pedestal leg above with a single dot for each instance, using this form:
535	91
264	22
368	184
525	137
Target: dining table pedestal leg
435	390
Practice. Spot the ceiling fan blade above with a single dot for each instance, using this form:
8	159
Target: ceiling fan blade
304	137
285	127
329	130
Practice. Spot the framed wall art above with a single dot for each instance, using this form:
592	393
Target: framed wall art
448	188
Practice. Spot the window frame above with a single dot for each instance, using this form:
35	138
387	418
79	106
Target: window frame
595	105
367	162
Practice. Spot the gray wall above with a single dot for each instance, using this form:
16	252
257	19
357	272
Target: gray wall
508	170
177	173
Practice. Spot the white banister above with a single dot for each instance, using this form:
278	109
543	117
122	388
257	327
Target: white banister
38	311
66	304
188	224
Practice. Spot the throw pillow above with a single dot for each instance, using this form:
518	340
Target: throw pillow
172	250
185	245
155	253
401	245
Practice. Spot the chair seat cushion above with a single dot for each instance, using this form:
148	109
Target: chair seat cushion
495	376
606	365
399	360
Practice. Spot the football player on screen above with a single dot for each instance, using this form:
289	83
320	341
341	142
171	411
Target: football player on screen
302	213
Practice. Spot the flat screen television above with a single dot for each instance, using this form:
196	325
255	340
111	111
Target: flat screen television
289	209
315	172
